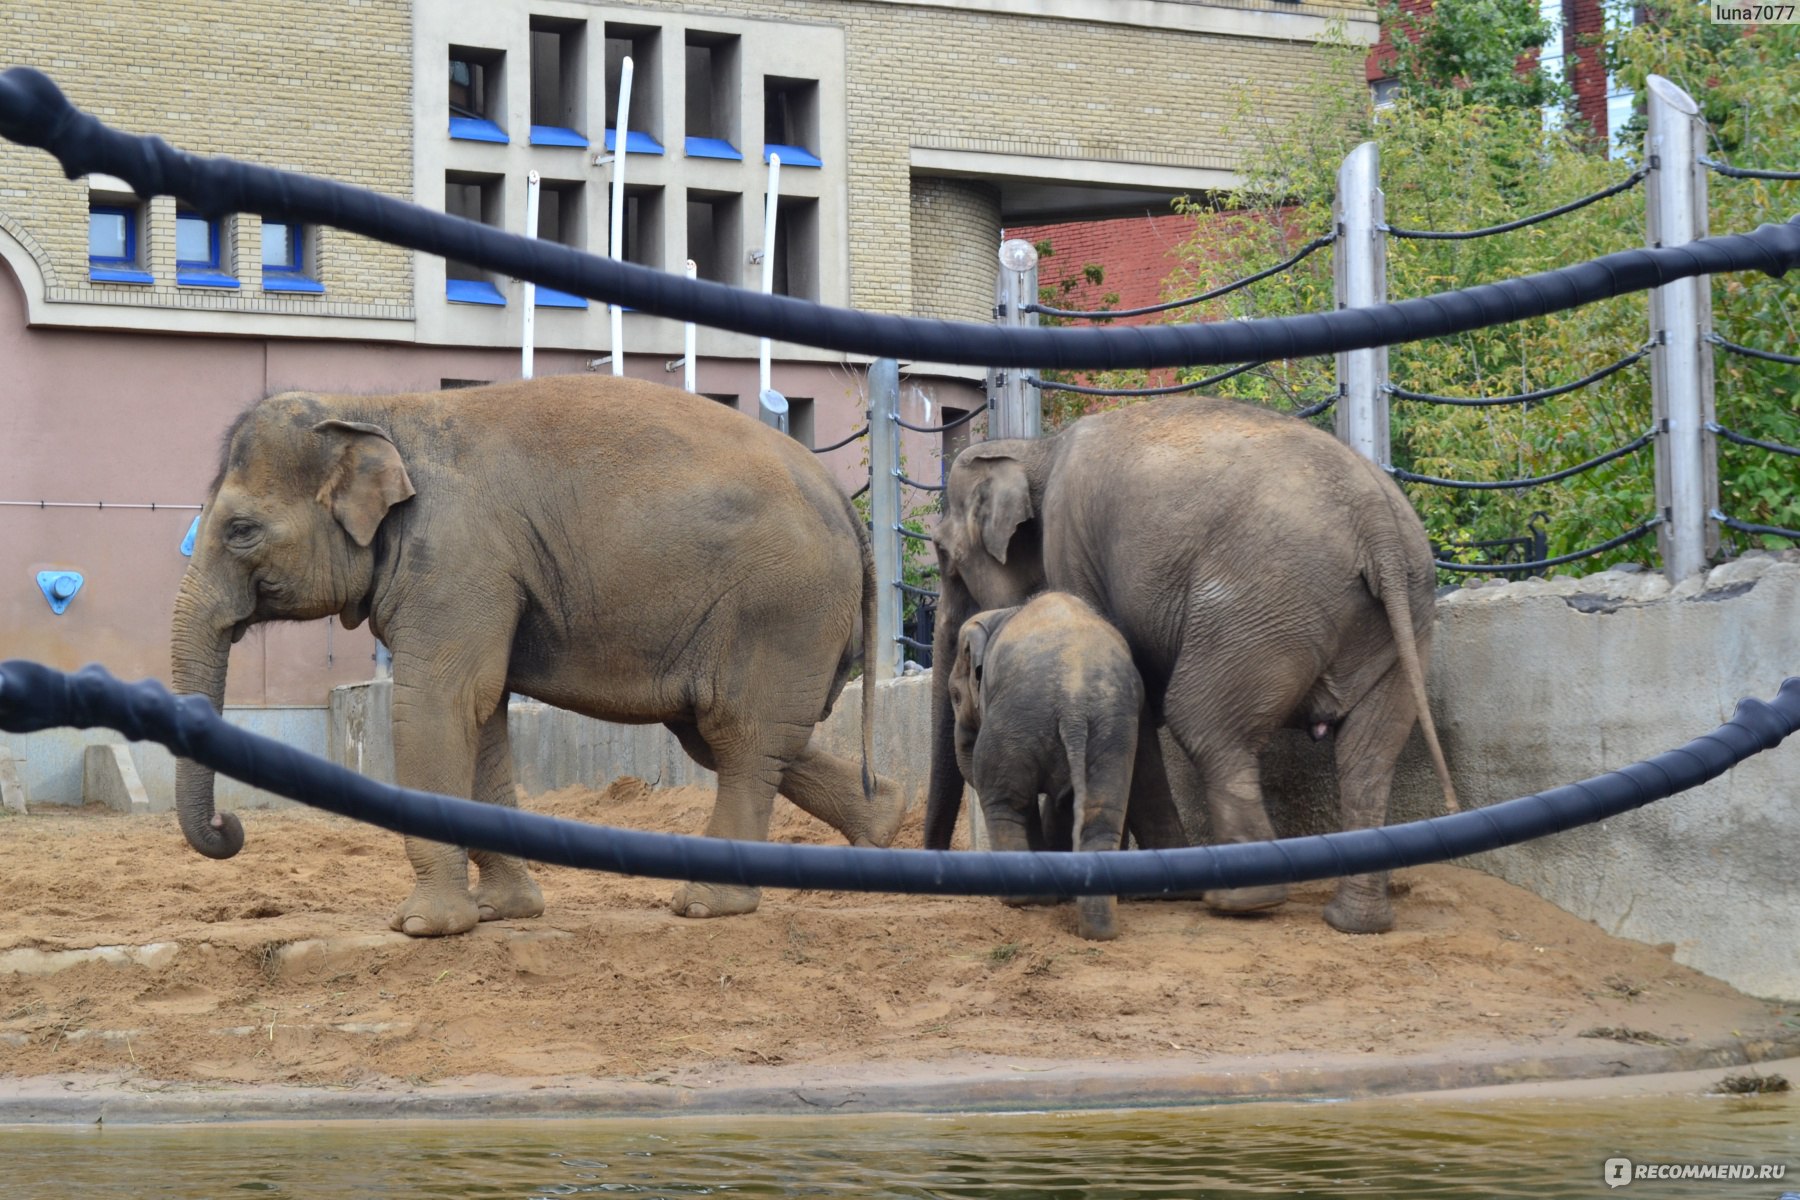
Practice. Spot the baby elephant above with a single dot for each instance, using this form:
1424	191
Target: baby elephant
1047	700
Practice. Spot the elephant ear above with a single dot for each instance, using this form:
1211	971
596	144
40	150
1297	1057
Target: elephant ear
363	479
977	632
1002	504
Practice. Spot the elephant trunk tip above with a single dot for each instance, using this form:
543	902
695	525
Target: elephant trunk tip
221	837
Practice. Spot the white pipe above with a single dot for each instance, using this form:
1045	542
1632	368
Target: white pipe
621	135
687	342
529	334
770	203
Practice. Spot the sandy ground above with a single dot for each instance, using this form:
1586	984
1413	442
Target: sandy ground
609	986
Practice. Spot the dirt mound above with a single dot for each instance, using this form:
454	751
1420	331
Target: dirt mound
277	967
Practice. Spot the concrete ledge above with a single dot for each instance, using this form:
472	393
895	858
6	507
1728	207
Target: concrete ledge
991	1085
12	787
108	777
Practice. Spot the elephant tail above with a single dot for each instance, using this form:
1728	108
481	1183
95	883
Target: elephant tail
865	544
1393	594
1073	730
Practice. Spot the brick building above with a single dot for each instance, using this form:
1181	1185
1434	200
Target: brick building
913	130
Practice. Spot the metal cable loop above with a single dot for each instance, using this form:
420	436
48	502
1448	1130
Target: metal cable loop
1523	397
1214	294
910	590
859	491
1610	544
1637	443
923	487
1171	389
1743	527
906	641
842	444
946	427
907	533
1630	181
1732	435
1313	410
1751	352
1745	172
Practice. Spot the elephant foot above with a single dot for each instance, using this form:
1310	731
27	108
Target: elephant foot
435	913
1355	915
1247	900
700	900
1098	920
505	895
1031	901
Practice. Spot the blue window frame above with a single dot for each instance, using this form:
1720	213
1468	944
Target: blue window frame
284	258
113	244
197	244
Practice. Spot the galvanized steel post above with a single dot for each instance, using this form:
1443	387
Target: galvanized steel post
1015	408
884	512
1359	272
1681	362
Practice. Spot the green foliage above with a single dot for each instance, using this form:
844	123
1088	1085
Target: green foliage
1472	164
918	565
1469	53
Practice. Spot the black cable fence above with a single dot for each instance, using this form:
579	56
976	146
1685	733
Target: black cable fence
1523	398
34	697
1635	178
1317	243
1636	444
1732	172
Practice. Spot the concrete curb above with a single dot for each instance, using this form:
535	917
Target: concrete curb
998	1085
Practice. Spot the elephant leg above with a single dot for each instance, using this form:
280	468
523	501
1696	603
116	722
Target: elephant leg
1369	741
505	888
830	788
1152	818
434	751
1233	781
1014	822
748	773
1099	818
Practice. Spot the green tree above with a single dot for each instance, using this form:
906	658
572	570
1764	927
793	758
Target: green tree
1472	52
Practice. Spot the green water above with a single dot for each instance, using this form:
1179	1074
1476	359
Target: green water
1538	1149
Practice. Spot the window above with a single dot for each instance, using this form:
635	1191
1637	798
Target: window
199	248
797	248
954	440
115	226
712	95
800	420
1384	92
284	258
643	226
715	237
640	43
451	385
476	198
729	400
791	120
560	220
557	67
476	96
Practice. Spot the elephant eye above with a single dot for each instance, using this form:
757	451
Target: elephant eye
241	532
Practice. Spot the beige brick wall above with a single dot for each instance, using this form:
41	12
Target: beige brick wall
955	237
321	86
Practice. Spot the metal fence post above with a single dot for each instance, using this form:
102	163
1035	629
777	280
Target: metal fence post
1015	408
1359	273
1681	362
884	512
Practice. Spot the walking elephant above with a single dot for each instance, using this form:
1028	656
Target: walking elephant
1046	701
1263	575
610	546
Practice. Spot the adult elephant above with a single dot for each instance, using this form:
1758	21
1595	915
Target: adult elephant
610	546
1263	574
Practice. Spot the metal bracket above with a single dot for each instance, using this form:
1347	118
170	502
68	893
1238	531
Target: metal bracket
59	587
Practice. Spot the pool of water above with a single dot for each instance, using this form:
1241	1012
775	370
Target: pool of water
1540	1149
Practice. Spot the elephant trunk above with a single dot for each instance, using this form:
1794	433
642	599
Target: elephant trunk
200	646
943	798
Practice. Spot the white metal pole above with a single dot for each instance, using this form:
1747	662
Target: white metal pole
1018	407
689	375
770	203
529	334
1359	272
884	513
1681	366
621	136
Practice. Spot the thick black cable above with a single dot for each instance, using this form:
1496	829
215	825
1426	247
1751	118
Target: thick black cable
923	487
906	641
946	427
1630	535
910	590
859	491
34	112
1313	410
1224	290
1744	527
1523	397
1732	435
1168	389
34	697
1631	181
1745	172
1637	443
917	537
842	444
1751	352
